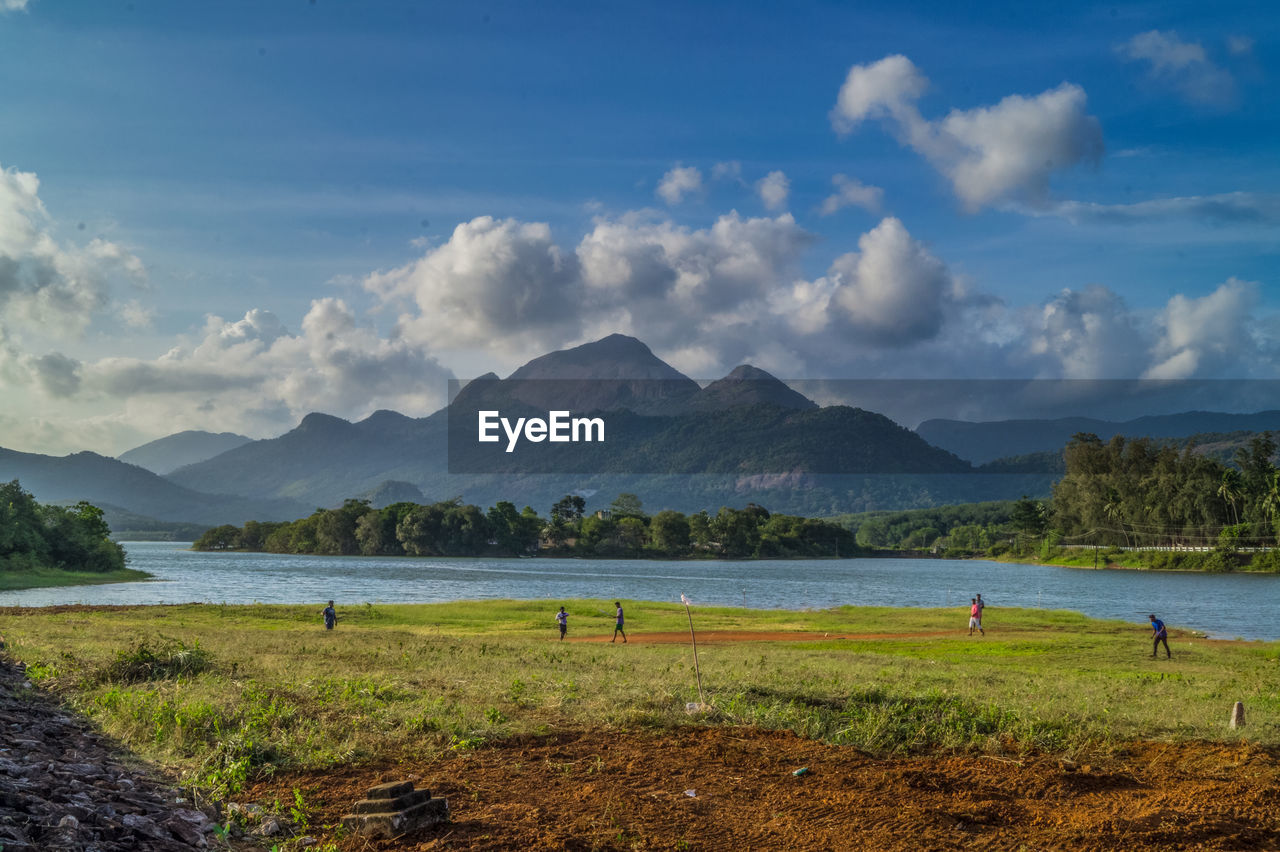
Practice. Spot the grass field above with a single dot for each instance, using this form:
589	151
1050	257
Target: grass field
12	581
223	692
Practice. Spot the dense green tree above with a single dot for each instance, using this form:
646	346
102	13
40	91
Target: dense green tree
36	536
669	531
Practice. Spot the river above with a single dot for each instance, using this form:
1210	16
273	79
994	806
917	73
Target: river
1221	605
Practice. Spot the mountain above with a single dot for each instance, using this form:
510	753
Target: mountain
616	372
167	454
984	442
747	436
326	459
102	480
748	385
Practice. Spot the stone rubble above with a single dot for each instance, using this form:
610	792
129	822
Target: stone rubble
390	810
64	788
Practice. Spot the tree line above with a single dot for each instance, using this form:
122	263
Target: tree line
35	536
453	528
1128	494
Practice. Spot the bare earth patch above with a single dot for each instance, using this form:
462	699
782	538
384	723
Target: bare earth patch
734	789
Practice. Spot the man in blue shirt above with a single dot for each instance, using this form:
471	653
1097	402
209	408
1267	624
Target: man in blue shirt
330	616
1158	635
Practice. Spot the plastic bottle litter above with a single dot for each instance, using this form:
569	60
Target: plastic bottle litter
803	770
692	794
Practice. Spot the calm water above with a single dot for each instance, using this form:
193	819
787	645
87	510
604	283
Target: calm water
1222	605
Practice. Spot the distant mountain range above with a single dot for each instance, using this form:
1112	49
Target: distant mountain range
107	481
745	438
170	453
984	442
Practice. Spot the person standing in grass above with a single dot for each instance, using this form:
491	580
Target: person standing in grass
1158	635
330	616
562	619
975	617
617	627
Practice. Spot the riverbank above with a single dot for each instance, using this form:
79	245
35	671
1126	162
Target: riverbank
51	578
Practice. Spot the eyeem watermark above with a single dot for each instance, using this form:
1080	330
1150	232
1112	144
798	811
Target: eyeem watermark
558	428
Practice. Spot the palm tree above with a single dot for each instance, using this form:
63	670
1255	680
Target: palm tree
1230	490
1114	510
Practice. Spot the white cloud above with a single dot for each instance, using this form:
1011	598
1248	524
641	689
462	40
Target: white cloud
136	315
892	291
1206	336
852	192
1085	334
885	89
1004	152
13	5
1182	65
498	283
679	182
335	364
773	190
55	289
728	171
1233	208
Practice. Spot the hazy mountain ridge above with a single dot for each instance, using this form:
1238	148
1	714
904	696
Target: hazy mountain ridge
167	454
102	480
983	442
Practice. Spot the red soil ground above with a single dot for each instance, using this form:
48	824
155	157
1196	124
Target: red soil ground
735	789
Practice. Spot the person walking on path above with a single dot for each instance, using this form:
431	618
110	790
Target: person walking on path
981	606
562	619
1158	635
975	617
617	627
330	616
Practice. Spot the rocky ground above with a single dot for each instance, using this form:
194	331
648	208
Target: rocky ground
65	787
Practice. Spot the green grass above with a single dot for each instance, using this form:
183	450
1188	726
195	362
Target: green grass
41	578
223	692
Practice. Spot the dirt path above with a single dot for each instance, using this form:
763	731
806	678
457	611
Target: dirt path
735	789
725	637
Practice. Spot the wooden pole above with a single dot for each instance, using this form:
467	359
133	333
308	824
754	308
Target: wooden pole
697	670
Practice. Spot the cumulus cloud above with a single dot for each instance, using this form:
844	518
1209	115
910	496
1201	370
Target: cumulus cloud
679	182
334	364
46	285
496	282
1206	336
1182	65
1003	152
773	190
892	291
1085	334
851	192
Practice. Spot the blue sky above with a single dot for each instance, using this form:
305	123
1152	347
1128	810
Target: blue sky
248	211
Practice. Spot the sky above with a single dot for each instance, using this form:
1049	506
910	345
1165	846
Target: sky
223	216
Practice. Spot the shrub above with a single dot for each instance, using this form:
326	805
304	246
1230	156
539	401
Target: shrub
172	658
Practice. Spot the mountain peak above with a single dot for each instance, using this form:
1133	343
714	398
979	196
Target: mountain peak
315	422
748	385
614	357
